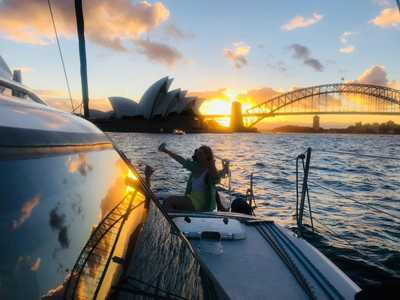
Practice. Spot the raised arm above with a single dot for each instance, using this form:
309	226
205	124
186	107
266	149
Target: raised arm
175	156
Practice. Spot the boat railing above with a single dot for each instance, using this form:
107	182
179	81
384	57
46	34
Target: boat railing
225	183
20	90
303	199
98	251
305	159
300	202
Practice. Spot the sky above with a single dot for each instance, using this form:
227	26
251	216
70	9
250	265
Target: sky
206	46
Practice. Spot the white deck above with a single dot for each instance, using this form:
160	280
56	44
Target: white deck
250	268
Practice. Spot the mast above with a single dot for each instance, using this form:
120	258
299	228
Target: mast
82	55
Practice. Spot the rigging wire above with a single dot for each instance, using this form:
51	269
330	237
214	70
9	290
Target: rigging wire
354	200
61	55
358	154
351	246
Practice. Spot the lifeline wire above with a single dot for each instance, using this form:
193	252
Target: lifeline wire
336	235
354	200
358	154
61	55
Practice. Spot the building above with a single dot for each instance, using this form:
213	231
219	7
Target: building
316	126
156	102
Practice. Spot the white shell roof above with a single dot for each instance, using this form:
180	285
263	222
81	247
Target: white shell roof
181	103
153	93
125	107
156	101
172	103
162	108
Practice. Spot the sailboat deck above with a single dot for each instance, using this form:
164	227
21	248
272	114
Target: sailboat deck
255	267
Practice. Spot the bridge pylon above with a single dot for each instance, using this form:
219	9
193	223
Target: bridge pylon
236	123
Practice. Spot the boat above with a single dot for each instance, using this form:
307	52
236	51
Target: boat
179	132
76	211
79	222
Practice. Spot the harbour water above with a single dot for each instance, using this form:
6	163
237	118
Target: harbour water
354	232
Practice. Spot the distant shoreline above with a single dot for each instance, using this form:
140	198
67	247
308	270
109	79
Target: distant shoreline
359	128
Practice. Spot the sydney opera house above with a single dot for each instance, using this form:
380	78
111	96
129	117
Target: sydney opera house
157	102
159	110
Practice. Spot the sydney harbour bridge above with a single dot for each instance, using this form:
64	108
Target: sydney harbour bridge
333	99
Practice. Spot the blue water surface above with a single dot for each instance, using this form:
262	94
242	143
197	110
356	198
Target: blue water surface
354	231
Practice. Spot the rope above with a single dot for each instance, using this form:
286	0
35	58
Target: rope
61	55
354	200
279	250
80	108
359	154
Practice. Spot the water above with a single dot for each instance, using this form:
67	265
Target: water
362	242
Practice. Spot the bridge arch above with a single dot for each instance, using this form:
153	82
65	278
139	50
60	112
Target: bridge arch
273	105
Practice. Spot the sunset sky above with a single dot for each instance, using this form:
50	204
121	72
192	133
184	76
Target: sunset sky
246	46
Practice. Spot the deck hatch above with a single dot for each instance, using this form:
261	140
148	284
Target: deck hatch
198	227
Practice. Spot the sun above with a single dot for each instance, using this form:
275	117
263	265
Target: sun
222	105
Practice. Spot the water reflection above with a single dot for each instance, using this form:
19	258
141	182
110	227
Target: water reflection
50	205
57	223
26	211
121	213
80	163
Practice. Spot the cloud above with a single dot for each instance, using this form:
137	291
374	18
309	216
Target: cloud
279	66
344	40
111	24
56	99
158	52
24	69
388	17
302	53
26	211
50	93
238	54
36	264
106	22
301	22
374	75
25	263
176	33
383	2
394	84
256	95
262	94
377	75
79	163
346	50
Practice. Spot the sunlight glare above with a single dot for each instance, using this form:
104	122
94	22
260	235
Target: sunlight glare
222	105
